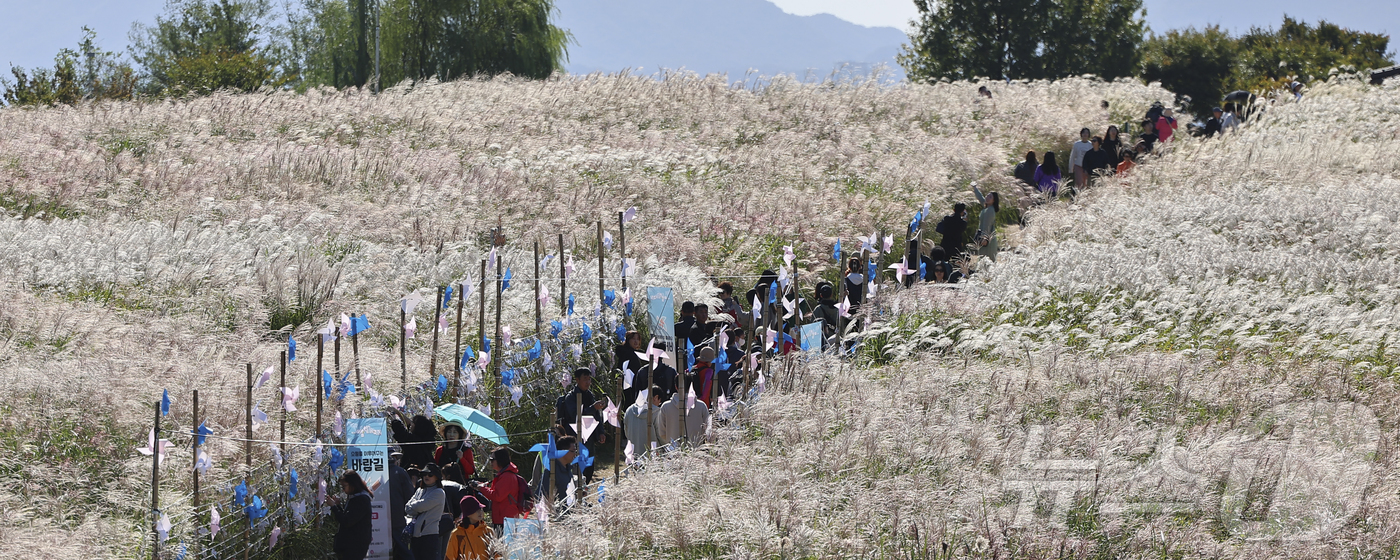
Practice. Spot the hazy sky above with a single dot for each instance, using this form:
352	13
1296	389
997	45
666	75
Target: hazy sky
31	32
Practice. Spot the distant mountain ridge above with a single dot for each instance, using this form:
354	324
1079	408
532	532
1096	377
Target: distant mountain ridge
720	36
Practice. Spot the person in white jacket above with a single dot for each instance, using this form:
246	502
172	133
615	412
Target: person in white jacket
669	426
424	510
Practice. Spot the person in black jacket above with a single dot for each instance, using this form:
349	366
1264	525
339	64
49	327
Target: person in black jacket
418	440
353	515
1097	161
1149	134
1213	123
1025	171
401	488
954	227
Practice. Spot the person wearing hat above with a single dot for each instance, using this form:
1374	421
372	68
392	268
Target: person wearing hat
1213	126
702	374
1166	125
400	488
469	540
423	512
455	449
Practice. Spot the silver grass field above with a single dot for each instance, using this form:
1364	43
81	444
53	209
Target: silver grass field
1196	361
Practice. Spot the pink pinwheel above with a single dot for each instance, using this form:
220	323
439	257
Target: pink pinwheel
889	243
610	413
338	425
788	255
845	307
289	398
344	325
491	259
264	378
214	519
442	323
410	328
327	333
629	215
569	267
320	491
152	446
505	336
273	536
629	267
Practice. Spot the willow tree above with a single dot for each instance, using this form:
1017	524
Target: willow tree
443	39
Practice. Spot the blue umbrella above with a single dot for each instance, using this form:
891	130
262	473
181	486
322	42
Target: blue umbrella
474	421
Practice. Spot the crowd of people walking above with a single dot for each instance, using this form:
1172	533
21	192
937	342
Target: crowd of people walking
443	506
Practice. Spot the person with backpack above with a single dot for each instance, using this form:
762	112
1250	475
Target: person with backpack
702	374
508	492
1166	125
471	539
953	228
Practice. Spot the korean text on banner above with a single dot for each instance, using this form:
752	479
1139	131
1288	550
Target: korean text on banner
368	451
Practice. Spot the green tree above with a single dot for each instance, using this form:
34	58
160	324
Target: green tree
1272	58
443	39
1023	39
86	73
199	46
1205	64
1195	64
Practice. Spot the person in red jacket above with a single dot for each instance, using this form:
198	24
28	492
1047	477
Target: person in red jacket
455	449
1166	125
507	491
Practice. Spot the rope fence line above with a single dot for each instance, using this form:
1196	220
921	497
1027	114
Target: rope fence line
584	339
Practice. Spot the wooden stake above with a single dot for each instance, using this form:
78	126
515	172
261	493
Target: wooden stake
403	346
155	486
499	350
282	434
481	323
320	380
354	349
457	336
437	318
563	280
617	436
248	431
194	446
335	330
539	313
600	262
578	419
